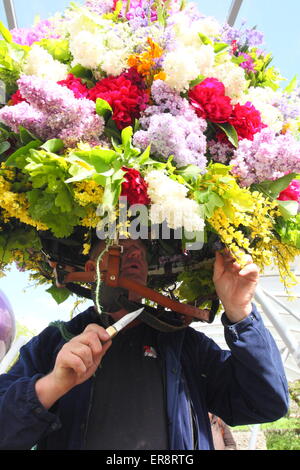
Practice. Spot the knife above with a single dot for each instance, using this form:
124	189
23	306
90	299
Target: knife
124	321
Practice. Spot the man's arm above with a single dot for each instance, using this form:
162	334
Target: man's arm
31	388
246	384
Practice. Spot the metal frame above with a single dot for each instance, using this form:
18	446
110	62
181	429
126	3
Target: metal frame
10	11
234	11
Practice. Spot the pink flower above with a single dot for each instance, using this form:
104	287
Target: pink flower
291	193
246	120
126	98
76	85
135	187
16	98
209	101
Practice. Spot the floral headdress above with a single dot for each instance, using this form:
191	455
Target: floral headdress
154	102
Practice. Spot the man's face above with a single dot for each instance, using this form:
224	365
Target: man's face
133	260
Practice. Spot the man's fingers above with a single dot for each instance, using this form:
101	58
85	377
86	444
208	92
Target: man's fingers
250	270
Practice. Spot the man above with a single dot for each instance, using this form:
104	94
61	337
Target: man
144	389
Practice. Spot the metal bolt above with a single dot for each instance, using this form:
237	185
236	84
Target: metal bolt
112	278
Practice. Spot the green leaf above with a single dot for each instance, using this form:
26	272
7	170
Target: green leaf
197	80
274	188
230	132
12	160
81	72
6	34
58	48
103	108
288	209
292	85
59	294
205	39
189	172
220	47
53	146
4	146
26	136
126	136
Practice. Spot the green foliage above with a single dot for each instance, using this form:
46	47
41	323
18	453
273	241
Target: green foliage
289	230
18	239
59	294
12	57
58	48
283	439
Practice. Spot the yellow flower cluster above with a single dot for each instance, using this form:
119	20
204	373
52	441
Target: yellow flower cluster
88	192
16	205
258	238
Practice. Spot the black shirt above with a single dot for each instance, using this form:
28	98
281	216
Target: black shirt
128	406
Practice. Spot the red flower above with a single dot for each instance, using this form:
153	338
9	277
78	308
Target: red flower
209	101
124	96
246	121
76	85
16	98
291	193
135	187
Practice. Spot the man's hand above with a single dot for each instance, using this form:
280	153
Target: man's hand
234	285
76	362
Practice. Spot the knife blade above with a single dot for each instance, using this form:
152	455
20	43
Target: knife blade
114	329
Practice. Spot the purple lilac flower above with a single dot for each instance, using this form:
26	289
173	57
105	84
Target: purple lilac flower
25	115
250	37
173	128
100	7
220	152
27	36
289	104
267	157
52	111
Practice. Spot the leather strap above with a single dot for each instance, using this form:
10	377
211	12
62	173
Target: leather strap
111	278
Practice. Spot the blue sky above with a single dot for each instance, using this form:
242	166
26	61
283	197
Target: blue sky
279	20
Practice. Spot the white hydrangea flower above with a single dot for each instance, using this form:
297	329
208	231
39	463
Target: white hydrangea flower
87	49
51	70
171	204
263	99
233	78
115	62
188	33
186	63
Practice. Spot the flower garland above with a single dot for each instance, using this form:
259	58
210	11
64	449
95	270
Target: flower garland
154	102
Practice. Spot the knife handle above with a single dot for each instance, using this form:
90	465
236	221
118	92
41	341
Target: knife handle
112	331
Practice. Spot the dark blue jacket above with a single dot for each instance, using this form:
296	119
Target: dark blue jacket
245	385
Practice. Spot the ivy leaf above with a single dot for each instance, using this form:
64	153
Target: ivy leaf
59	294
